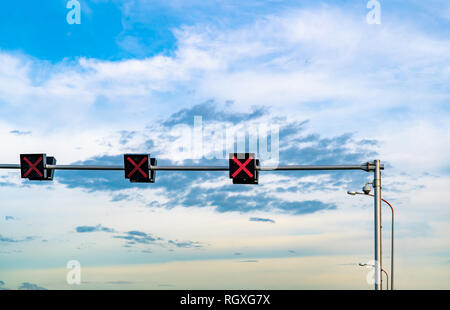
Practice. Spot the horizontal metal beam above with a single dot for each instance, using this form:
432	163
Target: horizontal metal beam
190	168
313	167
365	167
9	166
83	167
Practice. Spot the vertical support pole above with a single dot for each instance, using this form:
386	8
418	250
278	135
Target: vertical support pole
377	218
392	250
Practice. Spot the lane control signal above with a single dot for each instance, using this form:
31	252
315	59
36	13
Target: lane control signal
243	168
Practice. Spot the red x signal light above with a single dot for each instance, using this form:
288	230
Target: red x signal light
33	167
137	168
243	168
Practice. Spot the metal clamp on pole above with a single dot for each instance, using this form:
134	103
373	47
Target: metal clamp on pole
371	167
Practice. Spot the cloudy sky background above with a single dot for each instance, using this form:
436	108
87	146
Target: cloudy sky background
340	90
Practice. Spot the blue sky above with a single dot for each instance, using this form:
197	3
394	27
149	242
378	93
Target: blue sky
134	74
127	29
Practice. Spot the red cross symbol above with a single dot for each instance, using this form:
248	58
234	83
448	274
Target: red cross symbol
33	167
242	166
137	167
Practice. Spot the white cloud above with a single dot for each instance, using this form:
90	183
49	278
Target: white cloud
387	83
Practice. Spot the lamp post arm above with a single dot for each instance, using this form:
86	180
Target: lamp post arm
387	278
392	245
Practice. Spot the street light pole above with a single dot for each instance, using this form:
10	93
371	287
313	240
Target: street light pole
392	230
366	191
377	219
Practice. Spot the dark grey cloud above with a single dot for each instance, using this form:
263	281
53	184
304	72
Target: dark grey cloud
185	244
137	233
98	180
260	219
292	129
126	136
321	151
12	240
30	287
263	201
5	181
88	229
369	142
306	206
120	197
135	236
210	111
20	133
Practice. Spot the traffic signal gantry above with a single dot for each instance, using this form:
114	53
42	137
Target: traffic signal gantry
243	168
